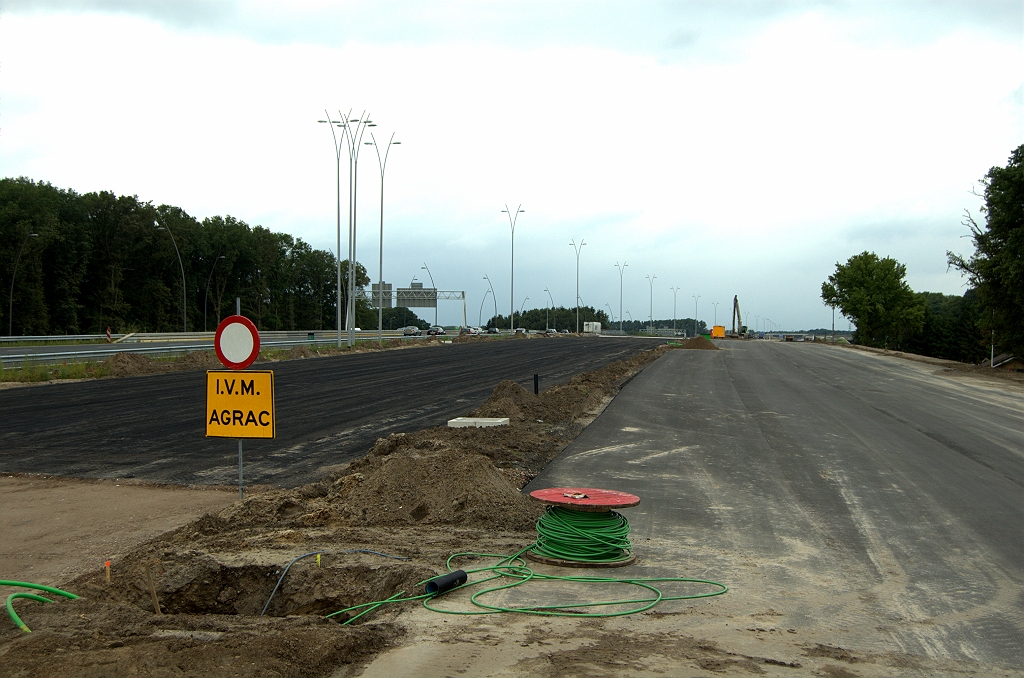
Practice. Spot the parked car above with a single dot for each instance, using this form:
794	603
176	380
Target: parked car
435	330
565	332
411	331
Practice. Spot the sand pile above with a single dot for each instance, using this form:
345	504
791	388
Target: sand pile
299	352
198	360
131	364
699	343
430	483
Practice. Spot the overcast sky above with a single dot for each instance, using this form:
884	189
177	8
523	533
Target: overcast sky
728	148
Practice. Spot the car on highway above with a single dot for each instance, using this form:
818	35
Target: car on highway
493	330
435	330
411	331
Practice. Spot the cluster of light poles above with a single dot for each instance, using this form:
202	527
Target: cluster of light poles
349	137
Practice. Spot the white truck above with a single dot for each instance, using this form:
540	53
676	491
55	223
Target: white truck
591	328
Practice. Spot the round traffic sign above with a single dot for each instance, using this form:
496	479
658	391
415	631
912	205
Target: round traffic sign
237	342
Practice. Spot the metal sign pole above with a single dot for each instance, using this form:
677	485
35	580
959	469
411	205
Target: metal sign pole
241	488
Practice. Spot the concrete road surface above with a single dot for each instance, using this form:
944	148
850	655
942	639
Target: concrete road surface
849	500
329	411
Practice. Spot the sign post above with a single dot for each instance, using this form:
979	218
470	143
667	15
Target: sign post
239	404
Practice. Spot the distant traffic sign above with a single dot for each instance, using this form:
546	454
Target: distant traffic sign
240	404
237	342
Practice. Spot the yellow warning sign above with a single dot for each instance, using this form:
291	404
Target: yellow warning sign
239	404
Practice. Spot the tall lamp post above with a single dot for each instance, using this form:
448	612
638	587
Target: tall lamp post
696	298
675	291
578	249
493	298
14	275
522	307
651	279
512	275
715	304
382	163
337	154
207	295
424	267
611	312
184	317
480	313
624	265
552	307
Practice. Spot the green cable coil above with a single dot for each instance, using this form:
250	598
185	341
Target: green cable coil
568	535
583	536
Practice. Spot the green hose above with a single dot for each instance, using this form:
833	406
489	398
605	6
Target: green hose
27	585
567	535
14	615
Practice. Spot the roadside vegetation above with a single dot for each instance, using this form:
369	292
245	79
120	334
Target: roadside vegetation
873	293
38	373
81	263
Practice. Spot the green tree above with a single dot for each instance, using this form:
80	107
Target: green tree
996	269
952	328
873	294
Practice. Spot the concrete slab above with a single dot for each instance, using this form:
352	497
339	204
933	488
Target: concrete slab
478	422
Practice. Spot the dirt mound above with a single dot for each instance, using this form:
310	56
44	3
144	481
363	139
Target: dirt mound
699	343
131	364
399	484
299	352
198	360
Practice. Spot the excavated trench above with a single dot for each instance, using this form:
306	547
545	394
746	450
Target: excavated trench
201	585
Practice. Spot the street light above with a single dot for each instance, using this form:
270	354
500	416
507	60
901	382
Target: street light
552	308
612	313
10	299
624	265
675	290
382	163
630	316
715	304
480	313
493	298
578	250
184	317
522	307
651	279
512	275
424	267
696	298
207	295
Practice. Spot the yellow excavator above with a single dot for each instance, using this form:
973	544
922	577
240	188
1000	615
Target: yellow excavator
737	321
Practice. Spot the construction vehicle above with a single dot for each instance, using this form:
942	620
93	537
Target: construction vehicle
737	321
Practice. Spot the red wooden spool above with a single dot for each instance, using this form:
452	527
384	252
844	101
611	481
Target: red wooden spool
586	498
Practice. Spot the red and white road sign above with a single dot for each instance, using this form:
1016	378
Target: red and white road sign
237	342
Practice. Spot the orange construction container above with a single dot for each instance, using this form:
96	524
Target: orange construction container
718	332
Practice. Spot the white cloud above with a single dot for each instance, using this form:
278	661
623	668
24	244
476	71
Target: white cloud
795	142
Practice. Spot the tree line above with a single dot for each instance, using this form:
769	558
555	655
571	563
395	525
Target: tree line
86	262
872	292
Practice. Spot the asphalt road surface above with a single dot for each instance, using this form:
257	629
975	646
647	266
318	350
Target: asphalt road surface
329	411
858	500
